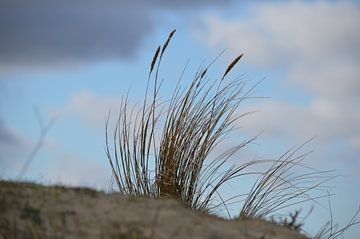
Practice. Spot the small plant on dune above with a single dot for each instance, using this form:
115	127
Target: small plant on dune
193	122
162	148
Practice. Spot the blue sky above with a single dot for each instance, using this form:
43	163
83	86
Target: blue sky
75	59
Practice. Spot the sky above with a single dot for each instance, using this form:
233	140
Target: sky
73	60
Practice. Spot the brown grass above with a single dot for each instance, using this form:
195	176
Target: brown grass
193	122
162	149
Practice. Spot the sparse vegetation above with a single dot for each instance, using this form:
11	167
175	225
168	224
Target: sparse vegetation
330	230
162	149
193	122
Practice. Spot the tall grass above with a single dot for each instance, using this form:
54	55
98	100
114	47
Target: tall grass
280	187
162	148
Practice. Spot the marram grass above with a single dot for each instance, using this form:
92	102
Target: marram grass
162	148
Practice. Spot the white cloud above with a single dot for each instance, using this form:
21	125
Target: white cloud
78	171
89	107
277	33
312	31
301	122
14	149
315	44
242	37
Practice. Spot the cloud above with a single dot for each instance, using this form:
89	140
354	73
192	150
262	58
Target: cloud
13	148
313	31
302	122
89	107
282	32
6	136
315	45
78	171
63	165
40	32
241	37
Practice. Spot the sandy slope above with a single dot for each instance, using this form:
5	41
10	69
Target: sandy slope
34	211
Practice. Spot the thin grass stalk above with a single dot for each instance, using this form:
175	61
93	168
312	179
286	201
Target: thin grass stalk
175	162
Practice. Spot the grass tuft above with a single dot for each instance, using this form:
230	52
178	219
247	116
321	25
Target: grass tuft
162	149
170	163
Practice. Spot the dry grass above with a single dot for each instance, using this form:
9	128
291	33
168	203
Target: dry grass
162	149
280	186
330	230
193	122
